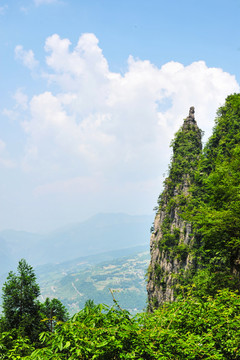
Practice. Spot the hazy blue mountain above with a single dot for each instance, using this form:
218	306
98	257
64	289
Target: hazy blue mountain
6	260
100	233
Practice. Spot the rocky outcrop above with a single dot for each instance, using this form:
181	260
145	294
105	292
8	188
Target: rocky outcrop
172	244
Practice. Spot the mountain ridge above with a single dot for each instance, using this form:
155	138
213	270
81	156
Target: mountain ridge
99	233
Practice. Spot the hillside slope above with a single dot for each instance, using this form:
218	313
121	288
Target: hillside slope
92	277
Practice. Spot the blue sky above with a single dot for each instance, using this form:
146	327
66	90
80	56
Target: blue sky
93	91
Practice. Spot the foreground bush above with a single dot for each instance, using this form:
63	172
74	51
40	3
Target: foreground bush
188	329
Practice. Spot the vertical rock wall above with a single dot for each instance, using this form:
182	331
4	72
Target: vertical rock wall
172	243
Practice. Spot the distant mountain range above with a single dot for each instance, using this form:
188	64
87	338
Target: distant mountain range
100	233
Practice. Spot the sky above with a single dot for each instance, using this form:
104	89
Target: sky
92	92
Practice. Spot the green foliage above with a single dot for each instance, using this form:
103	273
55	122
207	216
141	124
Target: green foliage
14	346
226	133
90	304
190	328
187	329
53	311
186	147
214	209
22	319
217	216
208	282
20	304
182	251
194	329
98	333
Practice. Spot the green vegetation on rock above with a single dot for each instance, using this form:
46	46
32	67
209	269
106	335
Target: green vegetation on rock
214	209
202	198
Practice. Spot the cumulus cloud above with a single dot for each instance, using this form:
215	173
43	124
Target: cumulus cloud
27	57
114	127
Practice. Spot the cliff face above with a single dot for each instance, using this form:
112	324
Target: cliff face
172	244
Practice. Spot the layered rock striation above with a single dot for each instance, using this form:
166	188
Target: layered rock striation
172	244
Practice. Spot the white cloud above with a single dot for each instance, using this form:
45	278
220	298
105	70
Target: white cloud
21	103
27	57
114	127
21	99
13	115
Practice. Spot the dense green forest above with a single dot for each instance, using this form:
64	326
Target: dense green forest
203	322
214	205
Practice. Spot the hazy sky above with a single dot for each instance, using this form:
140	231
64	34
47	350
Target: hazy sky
92	92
